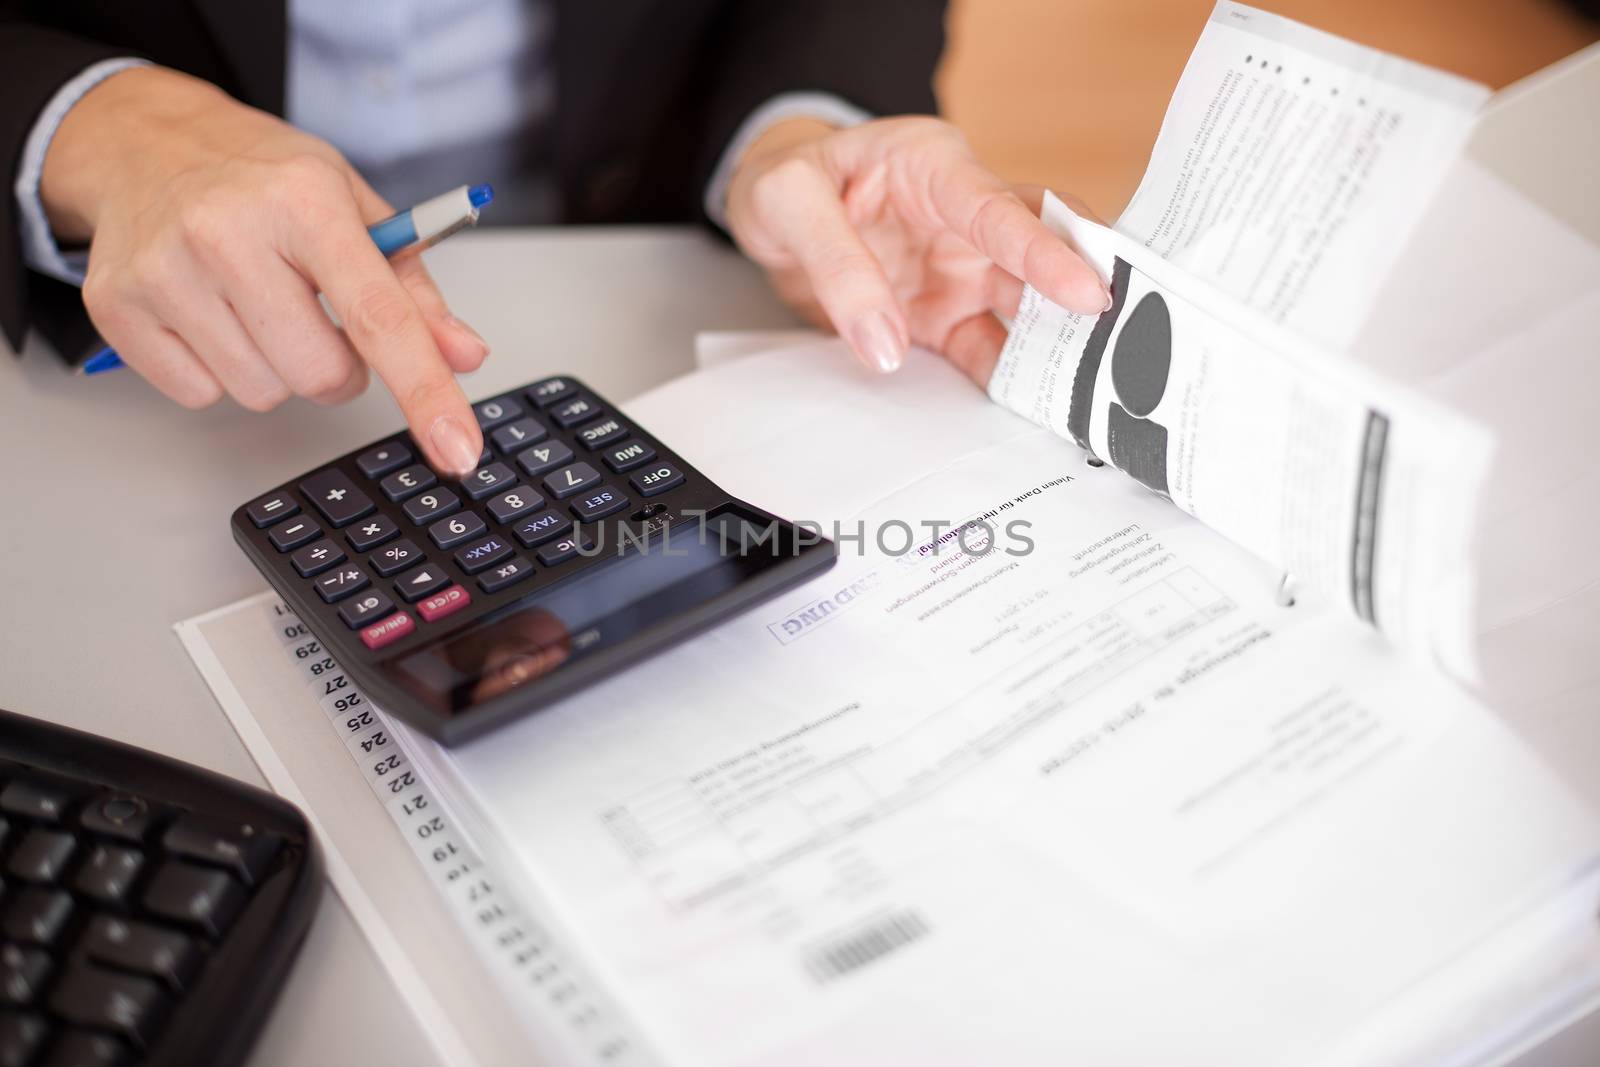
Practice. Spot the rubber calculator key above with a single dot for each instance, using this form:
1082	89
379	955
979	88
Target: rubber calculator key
390	456
657	479
514	436
36	798
155	951
492	413
316	557
483	553
404	483
434	504
336	497
342	582
559	551
271	509
570	481
364	609
508	573
199	897
514	503
22	973
551	391
35	915
40	856
541	528
578	409
236	846
392	559
488	480
598	435
627	456
292	534
372	532
416	584
102	999
544	457
598	503
108	873
454	529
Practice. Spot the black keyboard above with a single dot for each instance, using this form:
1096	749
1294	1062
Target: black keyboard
460	602
149	910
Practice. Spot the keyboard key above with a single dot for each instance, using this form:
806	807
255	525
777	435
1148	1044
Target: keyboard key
598	435
364	609
395	558
240	847
434	504
626	457
513	503
20	1038
84	1048
657	479
509	572
270	509
492	413
551	391
22	972
125	818
482	553
515	436
378	461
486	480
108	873
540	458
134	946
342	583
317	557
413	585
598	504
450	532
570	481
35	916
36	798
557	551
541	528
371	533
447	602
388	631
201	897
123	1004
336	497
40	856
401	484
293	534
578	409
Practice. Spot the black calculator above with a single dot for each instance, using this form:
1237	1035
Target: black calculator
580	545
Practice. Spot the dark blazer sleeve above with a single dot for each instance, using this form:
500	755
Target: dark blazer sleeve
37	62
879	55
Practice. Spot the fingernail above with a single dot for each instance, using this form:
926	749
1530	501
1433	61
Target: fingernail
453	444
1107	305
876	338
469	331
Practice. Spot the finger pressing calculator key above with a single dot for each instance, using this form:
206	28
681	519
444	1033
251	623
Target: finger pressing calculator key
462	603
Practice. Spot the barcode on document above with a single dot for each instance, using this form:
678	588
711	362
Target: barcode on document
874	940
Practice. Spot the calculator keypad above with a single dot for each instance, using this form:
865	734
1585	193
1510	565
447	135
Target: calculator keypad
394	550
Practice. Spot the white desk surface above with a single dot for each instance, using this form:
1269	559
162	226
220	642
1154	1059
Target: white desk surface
114	526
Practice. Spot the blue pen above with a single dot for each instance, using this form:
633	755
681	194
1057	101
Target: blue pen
419	227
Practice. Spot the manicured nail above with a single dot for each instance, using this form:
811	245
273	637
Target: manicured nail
474	335
875	338
454	446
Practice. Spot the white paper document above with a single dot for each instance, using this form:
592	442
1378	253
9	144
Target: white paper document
1043	782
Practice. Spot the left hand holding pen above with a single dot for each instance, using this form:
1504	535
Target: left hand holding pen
893	233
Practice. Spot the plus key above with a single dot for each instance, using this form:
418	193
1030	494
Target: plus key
336	497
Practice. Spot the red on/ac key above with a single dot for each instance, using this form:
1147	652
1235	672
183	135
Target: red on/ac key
442	603
388	631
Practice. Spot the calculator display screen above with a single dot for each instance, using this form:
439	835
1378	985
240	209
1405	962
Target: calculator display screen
618	595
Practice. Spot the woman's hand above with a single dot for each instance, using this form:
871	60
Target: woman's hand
892	233
213	227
